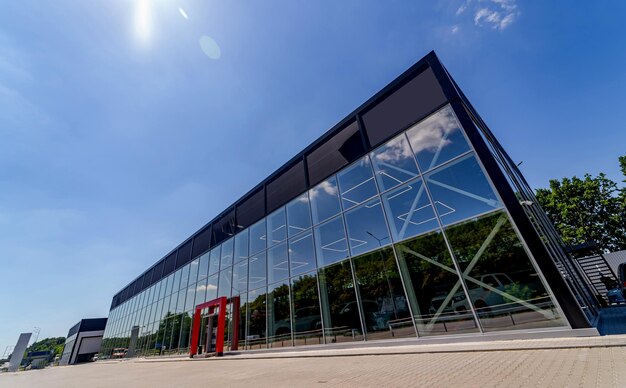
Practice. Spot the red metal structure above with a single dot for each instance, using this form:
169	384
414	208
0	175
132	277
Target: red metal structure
219	304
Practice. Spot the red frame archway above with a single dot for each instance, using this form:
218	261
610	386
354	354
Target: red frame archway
219	303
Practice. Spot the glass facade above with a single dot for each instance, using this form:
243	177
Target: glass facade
410	239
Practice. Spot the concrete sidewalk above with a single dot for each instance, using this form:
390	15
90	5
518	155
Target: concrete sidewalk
554	362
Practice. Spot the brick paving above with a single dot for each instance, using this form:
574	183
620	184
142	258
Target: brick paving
561	362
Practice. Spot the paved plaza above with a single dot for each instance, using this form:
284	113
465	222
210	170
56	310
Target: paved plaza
557	362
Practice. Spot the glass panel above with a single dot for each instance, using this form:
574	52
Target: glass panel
257	271
503	286
460	190
367	229
185	332
176	282
276	227
302	254
176	323
409	211
240	277
339	306
203	267
184	277
193	271
211	287
279	316
383	303
225	284
163	287
277	263
214	263
243	320
433	287
330	242
191	297
437	139
241	245
256	319
394	163
298	215
356	183
180	306
257	237
324	200
200	292
227	254
307	320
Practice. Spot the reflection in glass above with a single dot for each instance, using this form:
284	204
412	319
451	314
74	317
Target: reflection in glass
340	311
394	163
257	271
433	287
383	303
277	263
257	237
227	254
503	286
330	242
257	318
409	211
203	266
214	262
276	228
460	190
224	286
190	298
193	271
437	139
366	226
356	183
298	215
307	319
184	277
243	319
180	306
324	200
302	254
175	283
200	292
240	277
279	315
211	287
241	245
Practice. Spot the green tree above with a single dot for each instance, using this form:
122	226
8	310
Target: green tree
588	209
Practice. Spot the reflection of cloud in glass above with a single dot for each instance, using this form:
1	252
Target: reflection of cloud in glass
325	187
433	132
394	151
210	47
204	287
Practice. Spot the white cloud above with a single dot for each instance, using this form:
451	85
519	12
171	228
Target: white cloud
496	14
454	29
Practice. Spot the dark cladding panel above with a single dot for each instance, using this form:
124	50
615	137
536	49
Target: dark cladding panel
286	186
93	324
405	106
157	273
136	287
251	209
170	264
202	242
338	151
223	228
184	254
146	279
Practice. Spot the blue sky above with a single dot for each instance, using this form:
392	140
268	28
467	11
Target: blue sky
127	125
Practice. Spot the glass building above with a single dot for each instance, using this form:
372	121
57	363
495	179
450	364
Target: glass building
405	220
